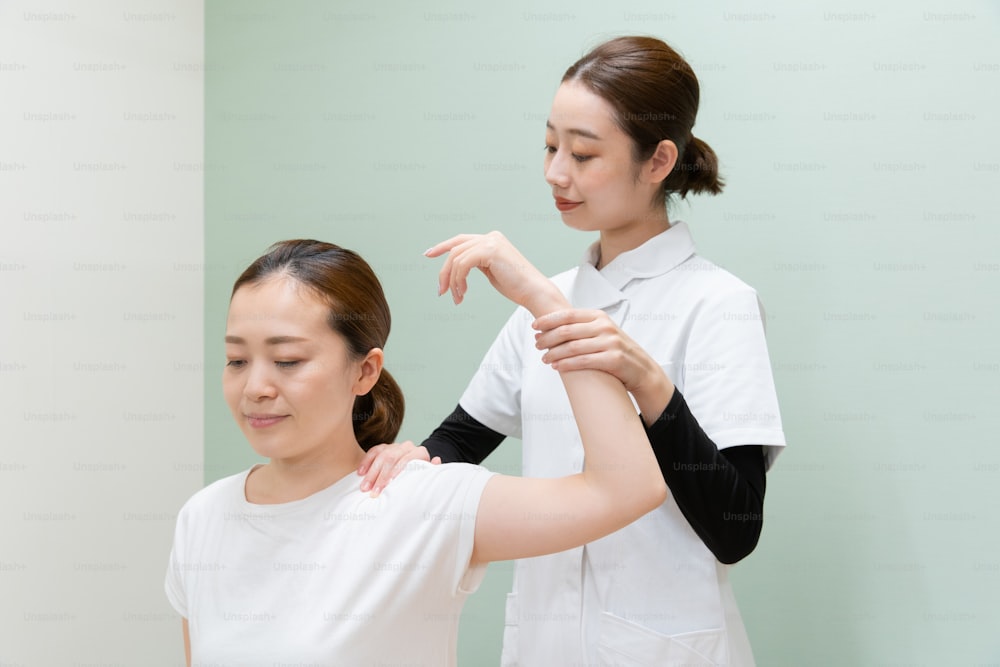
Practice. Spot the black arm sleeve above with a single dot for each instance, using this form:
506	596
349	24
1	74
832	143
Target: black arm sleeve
460	438
720	492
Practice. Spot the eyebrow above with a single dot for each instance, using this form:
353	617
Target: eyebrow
273	340
575	130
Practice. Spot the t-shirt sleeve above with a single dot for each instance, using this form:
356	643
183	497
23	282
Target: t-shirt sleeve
728	383
450	495
174	584
493	396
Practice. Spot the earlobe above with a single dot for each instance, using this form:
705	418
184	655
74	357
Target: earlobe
662	162
368	371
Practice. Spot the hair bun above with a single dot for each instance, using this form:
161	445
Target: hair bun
697	170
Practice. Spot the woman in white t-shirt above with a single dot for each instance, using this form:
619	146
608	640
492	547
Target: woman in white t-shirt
290	562
683	335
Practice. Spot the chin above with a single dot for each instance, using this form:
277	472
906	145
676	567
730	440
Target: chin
269	448
581	224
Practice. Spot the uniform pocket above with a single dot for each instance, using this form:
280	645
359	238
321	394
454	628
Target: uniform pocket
623	643
509	653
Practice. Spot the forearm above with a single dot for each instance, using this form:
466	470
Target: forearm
720	493
619	464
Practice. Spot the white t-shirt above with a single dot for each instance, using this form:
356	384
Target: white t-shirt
337	578
652	591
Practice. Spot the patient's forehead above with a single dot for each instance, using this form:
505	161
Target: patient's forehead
278	305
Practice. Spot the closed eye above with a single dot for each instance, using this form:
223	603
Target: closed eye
552	150
236	363
286	364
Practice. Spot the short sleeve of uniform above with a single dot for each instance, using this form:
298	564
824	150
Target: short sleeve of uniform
493	396
728	382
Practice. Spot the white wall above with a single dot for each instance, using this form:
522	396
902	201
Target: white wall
101	416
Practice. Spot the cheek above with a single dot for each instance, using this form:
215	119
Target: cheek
328	388
231	389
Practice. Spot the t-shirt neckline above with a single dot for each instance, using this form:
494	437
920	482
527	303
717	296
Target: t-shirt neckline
341	487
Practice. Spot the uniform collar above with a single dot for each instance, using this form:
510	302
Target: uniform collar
660	254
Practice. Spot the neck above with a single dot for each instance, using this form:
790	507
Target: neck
630	236
287	480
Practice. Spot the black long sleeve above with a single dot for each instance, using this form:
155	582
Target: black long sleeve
460	438
719	492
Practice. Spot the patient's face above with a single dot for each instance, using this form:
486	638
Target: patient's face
289	380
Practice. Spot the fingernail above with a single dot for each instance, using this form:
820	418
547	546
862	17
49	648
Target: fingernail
365	486
428	251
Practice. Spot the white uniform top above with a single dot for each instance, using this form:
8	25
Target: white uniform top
652	593
337	578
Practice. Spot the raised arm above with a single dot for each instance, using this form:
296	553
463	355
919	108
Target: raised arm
720	492
522	517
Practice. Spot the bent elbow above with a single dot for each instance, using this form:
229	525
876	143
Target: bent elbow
658	494
738	547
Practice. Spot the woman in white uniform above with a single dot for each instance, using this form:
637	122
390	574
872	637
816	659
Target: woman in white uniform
685	337
290	562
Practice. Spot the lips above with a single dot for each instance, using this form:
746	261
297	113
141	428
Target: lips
565	205
263	420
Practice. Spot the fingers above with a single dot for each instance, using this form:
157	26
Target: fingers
563	335
465	252
453	273
444	246
373	466
505	268
575	348
576	325
383	462
461	260
596	361
369	457
564	317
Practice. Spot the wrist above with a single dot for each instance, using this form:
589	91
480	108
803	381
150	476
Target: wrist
653	395
548	300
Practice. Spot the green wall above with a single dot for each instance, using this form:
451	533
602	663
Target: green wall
861	155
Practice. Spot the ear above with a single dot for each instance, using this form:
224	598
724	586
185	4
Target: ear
369	370
659	166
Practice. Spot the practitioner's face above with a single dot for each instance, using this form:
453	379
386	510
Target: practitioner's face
289	379
589	164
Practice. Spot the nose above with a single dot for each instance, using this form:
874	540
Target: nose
556	173
259	384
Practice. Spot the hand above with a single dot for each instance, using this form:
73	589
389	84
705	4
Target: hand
383	462
506	268
575	339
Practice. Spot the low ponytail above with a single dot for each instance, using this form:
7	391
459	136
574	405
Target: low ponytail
379	413
696	171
